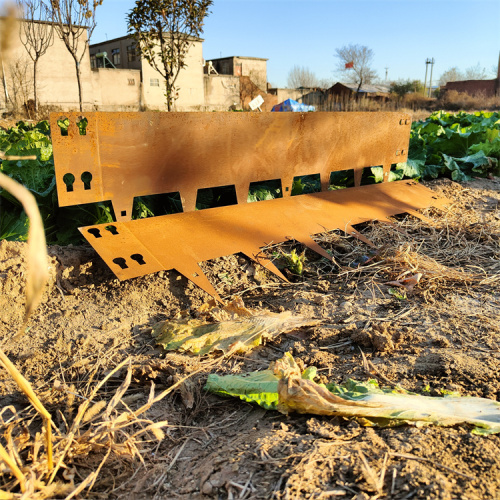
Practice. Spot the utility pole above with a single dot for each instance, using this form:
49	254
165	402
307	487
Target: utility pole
386	73
427	62
430	82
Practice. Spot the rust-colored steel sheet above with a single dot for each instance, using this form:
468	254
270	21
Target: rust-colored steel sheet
182	241
124	155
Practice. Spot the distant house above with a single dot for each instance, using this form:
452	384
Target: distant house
118	60
488	88
350	90
313	96
115	77
253	67
236	80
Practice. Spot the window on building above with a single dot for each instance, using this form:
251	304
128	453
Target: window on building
154	82
131	53
131	81
93	61
115	55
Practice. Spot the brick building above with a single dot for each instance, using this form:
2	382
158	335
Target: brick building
488	88
115	78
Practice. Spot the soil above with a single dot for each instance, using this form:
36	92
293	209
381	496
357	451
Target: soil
444	335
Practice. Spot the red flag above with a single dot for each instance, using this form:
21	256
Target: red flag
349	65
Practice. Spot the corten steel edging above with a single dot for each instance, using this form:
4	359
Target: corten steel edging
181	241
139	154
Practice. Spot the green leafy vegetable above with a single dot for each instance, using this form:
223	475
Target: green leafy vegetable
257	387
287	388
457	145
14	227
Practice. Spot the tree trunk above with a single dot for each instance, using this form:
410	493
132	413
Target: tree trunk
79	80
359	86
168	91
35	99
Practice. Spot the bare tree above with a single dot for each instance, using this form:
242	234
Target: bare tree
325	83
450	75
19	84
164	31
38	35
476	73
74	18
355	61
300	76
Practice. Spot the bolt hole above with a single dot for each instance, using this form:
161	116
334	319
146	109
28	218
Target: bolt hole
124	213
82	125
63	123
138	258
86	179
120	261
112	230
69	180
95	232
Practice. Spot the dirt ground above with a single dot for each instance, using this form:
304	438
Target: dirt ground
444	336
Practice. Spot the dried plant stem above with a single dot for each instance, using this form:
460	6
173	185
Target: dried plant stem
11	464
81	412
37	276
37	250
3	156
25	386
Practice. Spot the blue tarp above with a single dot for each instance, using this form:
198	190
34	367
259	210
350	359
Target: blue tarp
291	105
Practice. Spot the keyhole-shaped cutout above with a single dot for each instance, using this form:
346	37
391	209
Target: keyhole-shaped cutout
96	232
63	123
138	258
69	180
112	230
120	261
82	125
86	179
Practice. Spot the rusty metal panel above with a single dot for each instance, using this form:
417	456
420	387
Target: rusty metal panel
125	155
181	241
138	154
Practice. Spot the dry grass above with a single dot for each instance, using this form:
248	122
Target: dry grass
414	103
103	430
454	250
454	101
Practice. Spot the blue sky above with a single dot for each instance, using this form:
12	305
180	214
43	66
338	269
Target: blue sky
401	33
